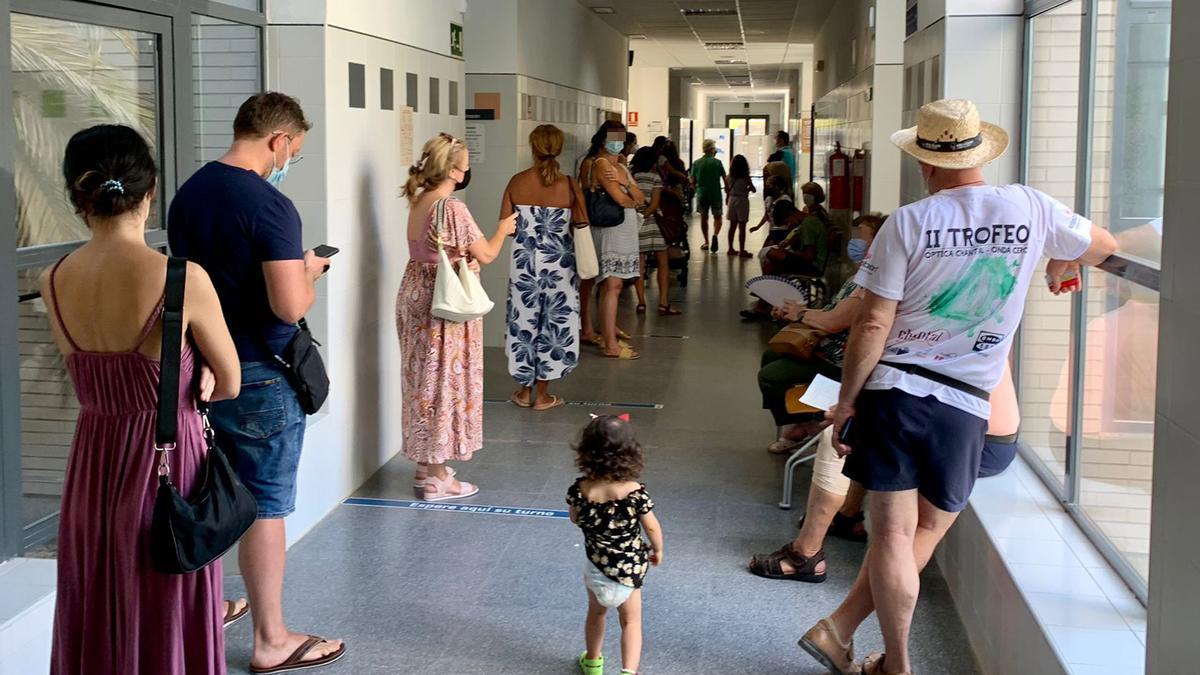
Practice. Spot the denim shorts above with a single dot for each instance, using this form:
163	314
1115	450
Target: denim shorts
263	430
905	442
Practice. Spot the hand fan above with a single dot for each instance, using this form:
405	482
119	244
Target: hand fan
775	291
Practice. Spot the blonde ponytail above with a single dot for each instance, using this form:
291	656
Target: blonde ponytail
546	141
438	157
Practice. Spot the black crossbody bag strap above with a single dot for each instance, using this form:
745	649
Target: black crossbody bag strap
934	376
167	426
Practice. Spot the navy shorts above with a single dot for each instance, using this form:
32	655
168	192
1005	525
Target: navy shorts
905	442
263	431
998	453
710	202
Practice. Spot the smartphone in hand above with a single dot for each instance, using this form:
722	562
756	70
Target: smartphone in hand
325	251
847	435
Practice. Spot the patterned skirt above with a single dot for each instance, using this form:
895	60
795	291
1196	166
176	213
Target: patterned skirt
617	248
442	371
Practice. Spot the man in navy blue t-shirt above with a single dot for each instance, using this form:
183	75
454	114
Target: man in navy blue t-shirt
231	219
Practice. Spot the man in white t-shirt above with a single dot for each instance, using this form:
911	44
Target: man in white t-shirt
945	280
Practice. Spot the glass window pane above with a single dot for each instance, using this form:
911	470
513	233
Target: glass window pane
1044	370
737	123
48	413
758	127
226	70
1129	155
1117	443
69	76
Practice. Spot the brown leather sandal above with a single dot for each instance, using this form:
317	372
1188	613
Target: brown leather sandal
805	569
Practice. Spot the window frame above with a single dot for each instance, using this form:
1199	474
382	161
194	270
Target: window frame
171	21
1133	270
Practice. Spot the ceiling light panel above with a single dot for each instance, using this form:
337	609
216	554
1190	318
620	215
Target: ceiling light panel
723	46
709	11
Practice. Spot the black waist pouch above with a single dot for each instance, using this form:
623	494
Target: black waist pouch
304	369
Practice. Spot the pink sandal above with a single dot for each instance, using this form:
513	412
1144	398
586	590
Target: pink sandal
422	475
437	490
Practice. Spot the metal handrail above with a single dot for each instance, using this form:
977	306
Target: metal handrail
1132	269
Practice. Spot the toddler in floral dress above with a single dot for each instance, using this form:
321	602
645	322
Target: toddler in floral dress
613	508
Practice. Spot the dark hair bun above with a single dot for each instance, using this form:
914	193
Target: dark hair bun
108	170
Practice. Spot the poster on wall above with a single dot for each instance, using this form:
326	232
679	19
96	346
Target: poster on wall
724	140
407	157
684	142
475	141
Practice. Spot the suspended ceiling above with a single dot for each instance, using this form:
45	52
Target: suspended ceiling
735	43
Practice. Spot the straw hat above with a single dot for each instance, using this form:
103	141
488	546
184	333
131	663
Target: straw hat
949	135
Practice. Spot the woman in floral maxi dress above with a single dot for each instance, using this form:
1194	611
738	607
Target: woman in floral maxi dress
442	361
543	287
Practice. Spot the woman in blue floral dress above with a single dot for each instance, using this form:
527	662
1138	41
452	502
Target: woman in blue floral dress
543	287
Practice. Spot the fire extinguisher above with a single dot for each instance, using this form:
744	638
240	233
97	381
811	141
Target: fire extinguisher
839	179
858	181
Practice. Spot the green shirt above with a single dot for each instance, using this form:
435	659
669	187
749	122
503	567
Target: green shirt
810	233
708	171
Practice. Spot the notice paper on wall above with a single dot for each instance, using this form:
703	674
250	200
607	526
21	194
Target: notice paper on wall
822	394
475	142
406	139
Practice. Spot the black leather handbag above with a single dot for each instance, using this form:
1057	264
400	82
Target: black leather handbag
603	210
188	534
304	369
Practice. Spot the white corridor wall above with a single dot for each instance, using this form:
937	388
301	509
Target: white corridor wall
348	193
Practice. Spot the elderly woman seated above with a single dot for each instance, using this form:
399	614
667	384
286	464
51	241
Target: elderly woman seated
781	373
834	505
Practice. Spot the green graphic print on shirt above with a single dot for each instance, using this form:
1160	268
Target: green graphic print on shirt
978	295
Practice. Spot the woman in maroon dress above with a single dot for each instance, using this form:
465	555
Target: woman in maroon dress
115	614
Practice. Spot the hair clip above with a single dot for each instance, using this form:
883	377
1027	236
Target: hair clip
113	185
624	417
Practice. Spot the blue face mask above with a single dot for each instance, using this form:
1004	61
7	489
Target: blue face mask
277	174
614	147
856	250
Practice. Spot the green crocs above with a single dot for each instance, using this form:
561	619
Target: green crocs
591	666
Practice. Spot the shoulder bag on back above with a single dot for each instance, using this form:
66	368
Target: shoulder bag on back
188	534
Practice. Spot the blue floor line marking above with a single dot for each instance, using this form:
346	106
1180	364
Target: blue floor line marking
594	404
486	509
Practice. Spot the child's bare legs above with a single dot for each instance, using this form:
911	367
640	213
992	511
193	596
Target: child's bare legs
593	627
664	278
631	631
738	230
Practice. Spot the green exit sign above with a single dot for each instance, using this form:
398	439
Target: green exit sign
456	40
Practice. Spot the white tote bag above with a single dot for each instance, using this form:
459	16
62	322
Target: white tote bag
587	265
457	296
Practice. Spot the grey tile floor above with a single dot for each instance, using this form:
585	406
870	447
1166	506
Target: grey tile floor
456	593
